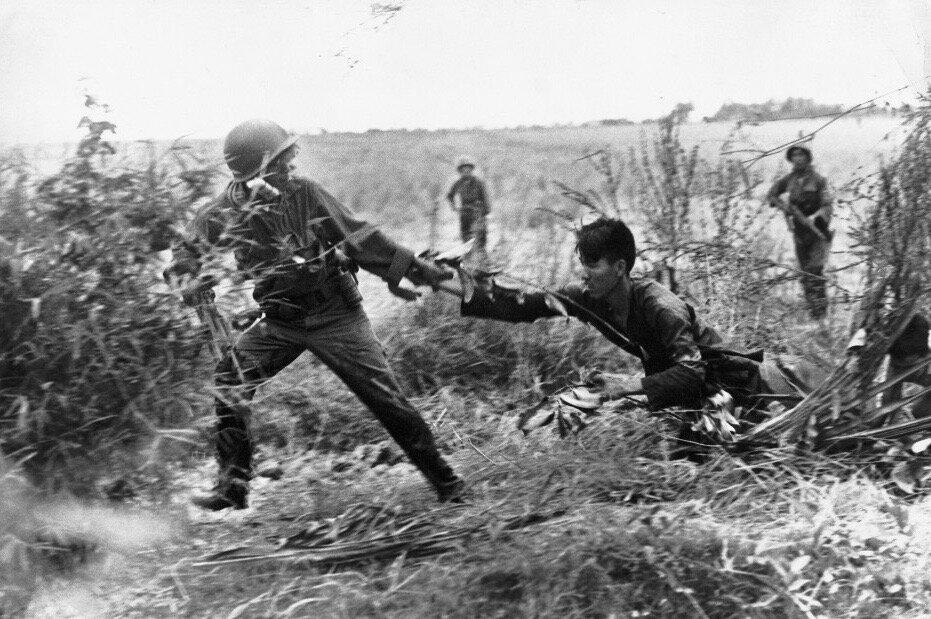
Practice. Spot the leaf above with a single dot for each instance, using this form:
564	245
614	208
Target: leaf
467	281
454	255
536	417
191	437
588	404
799	563
555	304
920	446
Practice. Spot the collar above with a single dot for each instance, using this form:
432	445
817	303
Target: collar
622	313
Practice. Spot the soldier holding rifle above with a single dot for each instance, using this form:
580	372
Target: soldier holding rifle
474	206
808	215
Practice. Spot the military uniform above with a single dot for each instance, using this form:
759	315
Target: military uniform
301	250
474	212
810	192
684	358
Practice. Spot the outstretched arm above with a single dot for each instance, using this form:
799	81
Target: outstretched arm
371	248
513	305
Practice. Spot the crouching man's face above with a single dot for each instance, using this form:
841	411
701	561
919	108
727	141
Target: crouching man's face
603	275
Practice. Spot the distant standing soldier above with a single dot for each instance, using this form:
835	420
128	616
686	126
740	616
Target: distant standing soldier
808	215
474	204
300	246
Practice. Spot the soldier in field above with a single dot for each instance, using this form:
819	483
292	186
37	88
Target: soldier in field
473	205
808	215
685	359
301	247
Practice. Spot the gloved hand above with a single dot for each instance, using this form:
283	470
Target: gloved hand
425	273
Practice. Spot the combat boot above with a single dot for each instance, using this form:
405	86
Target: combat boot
453	491
226	494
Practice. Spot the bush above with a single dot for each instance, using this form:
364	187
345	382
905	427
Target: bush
94	350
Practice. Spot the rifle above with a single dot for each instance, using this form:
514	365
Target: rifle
793	211
218	327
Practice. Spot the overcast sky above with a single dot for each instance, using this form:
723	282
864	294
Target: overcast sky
197	67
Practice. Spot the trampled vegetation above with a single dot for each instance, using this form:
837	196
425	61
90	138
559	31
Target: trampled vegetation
106	378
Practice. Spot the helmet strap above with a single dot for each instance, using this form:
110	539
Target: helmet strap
238	194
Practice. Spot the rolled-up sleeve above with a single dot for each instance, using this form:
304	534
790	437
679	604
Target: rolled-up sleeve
371	249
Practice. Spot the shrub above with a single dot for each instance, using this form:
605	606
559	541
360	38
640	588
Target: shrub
94	350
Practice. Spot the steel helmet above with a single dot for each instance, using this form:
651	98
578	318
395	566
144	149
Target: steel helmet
798	149
465	160
252	144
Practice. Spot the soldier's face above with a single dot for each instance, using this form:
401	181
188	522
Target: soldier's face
800	161
465	170
602	276
279	170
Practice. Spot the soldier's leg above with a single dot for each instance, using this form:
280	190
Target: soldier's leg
349	347
465	223
259	354
480	234
812	254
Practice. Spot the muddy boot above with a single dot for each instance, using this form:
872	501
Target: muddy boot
450	488
228	494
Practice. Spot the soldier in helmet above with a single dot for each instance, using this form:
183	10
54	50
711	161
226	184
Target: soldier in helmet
808	214
474	204
301	248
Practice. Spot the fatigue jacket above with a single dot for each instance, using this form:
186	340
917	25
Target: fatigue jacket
287	245
661	330
471	190
808	190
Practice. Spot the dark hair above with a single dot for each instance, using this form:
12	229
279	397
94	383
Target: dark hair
608	238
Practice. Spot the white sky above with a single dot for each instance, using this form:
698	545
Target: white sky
198	67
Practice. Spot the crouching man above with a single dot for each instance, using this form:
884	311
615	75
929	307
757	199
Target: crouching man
684	359
300	247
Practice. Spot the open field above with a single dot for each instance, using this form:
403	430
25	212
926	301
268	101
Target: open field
610	526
